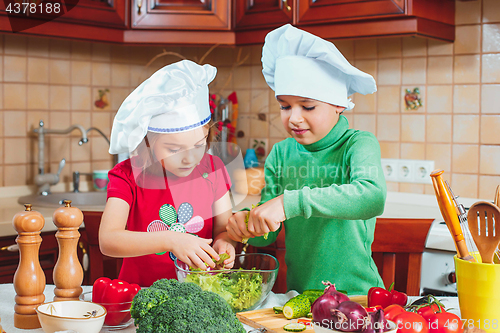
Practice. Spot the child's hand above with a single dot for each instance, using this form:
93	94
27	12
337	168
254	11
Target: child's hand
224	245
194	251
266	217
237	228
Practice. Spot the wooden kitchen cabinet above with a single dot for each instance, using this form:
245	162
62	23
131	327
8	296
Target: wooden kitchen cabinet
397	251
338	19
48	254
181	14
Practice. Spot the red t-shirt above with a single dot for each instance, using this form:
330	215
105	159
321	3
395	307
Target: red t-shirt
166	203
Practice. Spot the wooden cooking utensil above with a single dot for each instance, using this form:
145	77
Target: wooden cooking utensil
484	225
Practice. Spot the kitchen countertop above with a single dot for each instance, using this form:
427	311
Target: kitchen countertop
7	294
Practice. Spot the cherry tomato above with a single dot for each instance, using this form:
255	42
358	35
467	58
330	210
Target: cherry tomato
429	310
411	322
445	322
392	311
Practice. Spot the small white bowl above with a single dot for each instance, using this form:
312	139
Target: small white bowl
78	316
320	329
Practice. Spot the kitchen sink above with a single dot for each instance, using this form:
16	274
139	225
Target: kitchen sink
78	199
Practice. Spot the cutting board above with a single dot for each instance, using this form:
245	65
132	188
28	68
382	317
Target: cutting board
266	318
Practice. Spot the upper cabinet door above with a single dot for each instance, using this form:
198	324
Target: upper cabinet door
106	13
181	14
251	14
323	11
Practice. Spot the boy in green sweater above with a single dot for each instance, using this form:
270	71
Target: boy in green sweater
325	184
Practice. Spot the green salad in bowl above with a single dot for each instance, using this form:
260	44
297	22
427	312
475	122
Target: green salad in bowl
244	287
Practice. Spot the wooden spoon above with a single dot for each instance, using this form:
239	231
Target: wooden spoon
484	225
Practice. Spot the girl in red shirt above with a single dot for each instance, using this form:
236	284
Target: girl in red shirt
170	198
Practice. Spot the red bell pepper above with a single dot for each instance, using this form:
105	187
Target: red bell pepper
384	297
115	296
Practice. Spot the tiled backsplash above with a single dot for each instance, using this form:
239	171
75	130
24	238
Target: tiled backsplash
458	125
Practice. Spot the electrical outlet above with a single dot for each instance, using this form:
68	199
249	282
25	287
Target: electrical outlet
423	171
406	171
390	166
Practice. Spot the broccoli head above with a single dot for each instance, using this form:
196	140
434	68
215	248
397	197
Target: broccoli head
169	306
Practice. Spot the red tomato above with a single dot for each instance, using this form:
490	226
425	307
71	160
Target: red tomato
429	310
392	311
411	322
445	322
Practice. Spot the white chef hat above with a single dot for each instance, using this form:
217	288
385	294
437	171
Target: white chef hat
174	99
295	62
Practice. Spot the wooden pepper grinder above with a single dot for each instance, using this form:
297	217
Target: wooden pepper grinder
68	272
29	279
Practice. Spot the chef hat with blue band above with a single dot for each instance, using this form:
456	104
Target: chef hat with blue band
295	62
174	99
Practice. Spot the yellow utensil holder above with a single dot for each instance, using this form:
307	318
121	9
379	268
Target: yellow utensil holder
478	287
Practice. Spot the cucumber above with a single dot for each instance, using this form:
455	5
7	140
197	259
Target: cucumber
313	294
298	306
294	327
278	309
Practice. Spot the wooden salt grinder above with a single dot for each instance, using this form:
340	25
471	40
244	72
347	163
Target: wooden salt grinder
29	279
68	272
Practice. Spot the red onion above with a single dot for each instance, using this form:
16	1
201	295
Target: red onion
323	305
377	323
349	316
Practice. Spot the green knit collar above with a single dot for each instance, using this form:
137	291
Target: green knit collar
336	133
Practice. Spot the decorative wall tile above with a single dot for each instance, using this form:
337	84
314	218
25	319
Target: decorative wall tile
466	128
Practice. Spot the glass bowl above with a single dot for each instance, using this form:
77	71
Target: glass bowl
118	316
244	287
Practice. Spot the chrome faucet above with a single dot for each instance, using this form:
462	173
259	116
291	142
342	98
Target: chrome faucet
45	180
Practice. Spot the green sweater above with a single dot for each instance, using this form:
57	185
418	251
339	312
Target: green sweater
333	190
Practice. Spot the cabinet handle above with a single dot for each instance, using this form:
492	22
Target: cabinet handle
10	248
139	5
285	4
